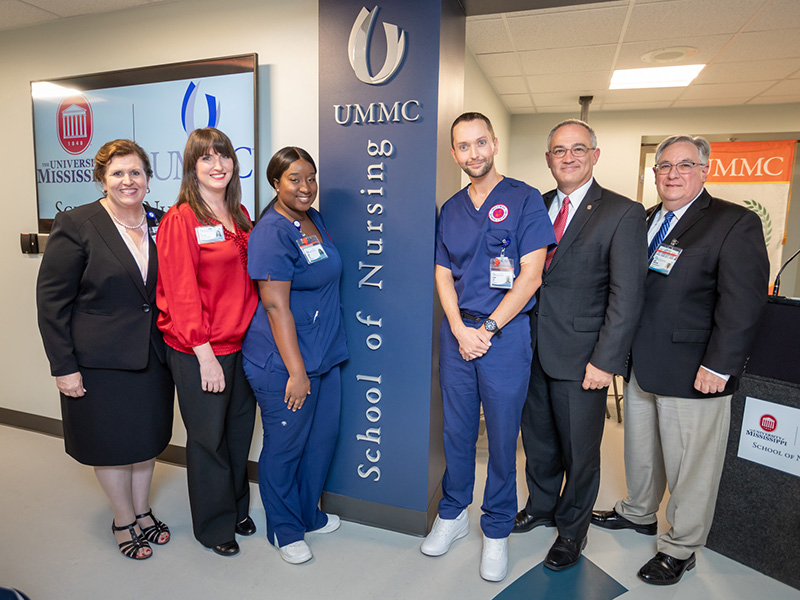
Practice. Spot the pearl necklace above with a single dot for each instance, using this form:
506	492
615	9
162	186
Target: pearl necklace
144	216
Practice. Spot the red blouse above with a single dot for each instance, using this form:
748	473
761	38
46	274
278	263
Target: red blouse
204	293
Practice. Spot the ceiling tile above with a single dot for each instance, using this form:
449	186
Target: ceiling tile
517	100
752	70
83	7
590	58
763	45
19	14
556	99
665	20
775	99
725	90
568	28
635	106
487	35
784	88
648	95
698	102
777	14
570	82
509	85
630	55
499	65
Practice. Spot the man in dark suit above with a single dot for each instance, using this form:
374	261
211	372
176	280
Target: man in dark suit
705	294
587	308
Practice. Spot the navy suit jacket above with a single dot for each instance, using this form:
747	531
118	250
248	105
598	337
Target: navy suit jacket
592	295
708	309
94	309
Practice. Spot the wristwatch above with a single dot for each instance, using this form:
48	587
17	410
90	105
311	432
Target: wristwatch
490	325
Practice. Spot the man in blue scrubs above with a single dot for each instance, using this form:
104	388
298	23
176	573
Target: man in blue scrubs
490	251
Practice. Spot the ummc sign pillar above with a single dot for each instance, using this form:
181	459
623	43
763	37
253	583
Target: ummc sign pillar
391	83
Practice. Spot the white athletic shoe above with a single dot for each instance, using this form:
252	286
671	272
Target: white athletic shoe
494	559
296	552
444	533
332	525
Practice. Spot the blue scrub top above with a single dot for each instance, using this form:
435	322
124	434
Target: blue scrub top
273	253
467	239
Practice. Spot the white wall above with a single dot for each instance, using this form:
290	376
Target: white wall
284	34
479	96
620	136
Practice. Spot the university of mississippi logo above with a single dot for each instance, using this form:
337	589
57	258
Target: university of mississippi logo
358	48
768	423
187	109
75	124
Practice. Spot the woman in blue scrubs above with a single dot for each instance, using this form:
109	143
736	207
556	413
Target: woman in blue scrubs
292	352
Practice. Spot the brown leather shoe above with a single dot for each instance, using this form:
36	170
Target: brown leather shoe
611	519
664	569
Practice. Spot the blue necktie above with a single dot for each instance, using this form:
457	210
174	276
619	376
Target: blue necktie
662	233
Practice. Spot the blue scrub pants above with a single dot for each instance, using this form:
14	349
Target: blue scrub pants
297	450
499	380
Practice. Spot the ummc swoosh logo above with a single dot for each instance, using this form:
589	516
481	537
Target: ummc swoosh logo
358	48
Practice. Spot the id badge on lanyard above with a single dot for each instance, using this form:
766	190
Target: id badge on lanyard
665	257
310	246
501	269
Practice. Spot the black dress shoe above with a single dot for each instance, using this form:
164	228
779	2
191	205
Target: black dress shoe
664	569
246	526
611	519
524	522
564	553
227	549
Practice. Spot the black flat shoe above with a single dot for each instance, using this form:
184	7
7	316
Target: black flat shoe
564	553
226	549
524	522
132	548
246	527
157	533
611	519
664	569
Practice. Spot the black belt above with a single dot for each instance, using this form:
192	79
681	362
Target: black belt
478	319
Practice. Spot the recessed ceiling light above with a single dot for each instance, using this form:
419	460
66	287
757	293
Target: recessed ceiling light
657	77
669	55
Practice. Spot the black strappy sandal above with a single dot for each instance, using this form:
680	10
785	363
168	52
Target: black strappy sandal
153	532
131	548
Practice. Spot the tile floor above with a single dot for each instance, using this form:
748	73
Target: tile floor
56	543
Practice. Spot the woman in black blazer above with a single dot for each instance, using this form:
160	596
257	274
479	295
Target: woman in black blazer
96	297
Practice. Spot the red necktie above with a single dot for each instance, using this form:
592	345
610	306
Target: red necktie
559	225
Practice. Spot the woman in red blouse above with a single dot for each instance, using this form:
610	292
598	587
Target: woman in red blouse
206	301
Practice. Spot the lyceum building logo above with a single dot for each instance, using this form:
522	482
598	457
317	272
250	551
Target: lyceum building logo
768	423
358	48
74	124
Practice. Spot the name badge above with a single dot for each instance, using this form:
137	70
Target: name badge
153	231
501	272
312	249
664	258
209	234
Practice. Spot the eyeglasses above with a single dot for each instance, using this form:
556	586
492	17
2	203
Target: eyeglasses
684	167
577	151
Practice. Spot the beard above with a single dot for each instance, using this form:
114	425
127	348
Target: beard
480	171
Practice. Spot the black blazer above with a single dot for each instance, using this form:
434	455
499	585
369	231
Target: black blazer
708	309
94	309
592	295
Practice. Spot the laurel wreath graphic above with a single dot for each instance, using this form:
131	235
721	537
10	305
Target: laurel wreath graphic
763	214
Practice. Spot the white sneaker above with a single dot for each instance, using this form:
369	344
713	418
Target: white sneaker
332	525
295	553
494	559
444	533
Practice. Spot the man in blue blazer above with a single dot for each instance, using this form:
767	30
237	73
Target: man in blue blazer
705	293
583	323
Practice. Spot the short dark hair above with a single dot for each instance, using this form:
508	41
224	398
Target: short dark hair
114	148
471	116
584	124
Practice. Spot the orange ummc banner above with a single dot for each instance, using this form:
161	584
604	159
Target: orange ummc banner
751	162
